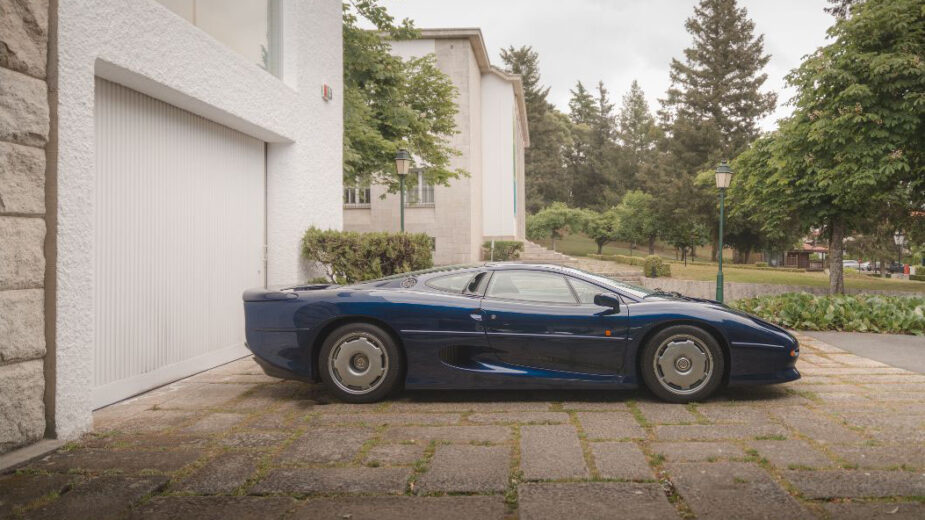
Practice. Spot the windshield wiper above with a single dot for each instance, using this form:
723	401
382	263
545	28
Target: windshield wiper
659	292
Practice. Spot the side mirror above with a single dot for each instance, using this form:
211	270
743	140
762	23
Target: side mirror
607	300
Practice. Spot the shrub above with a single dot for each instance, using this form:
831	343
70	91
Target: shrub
350	257
761	264
917	277
654	267
851	313
505	250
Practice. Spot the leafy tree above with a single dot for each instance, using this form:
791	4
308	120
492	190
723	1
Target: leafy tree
592	158
686	235
840	8
391	103
546	178
854	143
602	227
638	219
553	222
637	134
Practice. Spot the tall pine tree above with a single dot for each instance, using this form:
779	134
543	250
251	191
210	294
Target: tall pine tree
591	160
637	134
545	173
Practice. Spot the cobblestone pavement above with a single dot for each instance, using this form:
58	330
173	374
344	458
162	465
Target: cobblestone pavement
847	441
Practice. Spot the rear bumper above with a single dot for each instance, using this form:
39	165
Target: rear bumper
275	371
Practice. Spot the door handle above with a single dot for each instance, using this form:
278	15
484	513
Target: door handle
476	316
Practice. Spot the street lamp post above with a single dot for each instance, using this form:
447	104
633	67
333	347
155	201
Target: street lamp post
900	240
402	165
723	177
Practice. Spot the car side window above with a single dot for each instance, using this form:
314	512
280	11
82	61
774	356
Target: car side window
530	286
454	283
585	291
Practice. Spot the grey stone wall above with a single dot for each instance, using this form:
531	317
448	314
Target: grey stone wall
733	291
24	126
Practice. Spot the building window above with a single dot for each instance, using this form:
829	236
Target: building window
420	193
251	28
356	197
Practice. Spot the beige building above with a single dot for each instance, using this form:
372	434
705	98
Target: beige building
492	124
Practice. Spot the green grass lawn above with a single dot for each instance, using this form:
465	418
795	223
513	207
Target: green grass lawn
580	245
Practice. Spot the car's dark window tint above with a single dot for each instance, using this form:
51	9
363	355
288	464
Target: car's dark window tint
530	286
585	291
454	283
477	285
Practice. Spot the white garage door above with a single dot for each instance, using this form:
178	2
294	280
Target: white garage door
179	235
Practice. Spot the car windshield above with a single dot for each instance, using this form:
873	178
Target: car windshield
630	289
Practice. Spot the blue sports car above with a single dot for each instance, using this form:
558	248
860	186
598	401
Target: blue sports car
508	325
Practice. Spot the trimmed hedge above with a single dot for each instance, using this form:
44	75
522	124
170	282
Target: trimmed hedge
350	257
917	277
654	267
850	313
623	259
505	250
761	264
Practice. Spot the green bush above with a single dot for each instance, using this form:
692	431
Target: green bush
917	277
623	259
505	250
850	313
350	257
654	267
761	264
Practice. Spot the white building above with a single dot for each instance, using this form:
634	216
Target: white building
167	154
492	124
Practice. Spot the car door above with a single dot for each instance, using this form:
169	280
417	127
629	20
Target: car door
538	320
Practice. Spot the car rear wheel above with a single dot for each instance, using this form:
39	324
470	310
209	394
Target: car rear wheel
360	363
682	363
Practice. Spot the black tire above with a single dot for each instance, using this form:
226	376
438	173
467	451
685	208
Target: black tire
702	353
345	336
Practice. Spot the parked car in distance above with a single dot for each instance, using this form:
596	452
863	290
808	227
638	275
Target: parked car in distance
867	266
850	264
510	326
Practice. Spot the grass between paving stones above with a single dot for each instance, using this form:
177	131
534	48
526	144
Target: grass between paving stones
421	466
370	444
656	462
516	476
585	445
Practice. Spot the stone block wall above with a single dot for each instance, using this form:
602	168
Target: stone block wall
24	127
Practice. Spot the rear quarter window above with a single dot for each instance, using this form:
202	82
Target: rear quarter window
452	283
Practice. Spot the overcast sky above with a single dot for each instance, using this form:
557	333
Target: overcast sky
619	40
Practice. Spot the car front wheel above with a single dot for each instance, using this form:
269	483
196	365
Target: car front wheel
682	363
360	363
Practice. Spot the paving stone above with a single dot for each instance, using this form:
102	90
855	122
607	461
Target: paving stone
696	451
100	498
334	480
270	421
151	421
255	439
326	445
816	426
448	433
376	419
204	396
596	406
395	454
214	508
467	468
262	397
622	460
469	406
223	474
551	452
520	417
129	461
403	508
876	511
18	490
732	490
733	414
791	453
717	432
666	413
593	500
146	441
215	423
613	425
881	457
856	483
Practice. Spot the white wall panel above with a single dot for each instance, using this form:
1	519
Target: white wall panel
179	233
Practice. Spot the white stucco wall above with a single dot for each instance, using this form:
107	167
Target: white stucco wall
141	44
498	131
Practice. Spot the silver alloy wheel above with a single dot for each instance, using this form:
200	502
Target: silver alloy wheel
358	363
683	364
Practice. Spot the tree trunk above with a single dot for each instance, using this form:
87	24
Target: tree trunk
748	255
652	245
836	274
600	247
554	242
